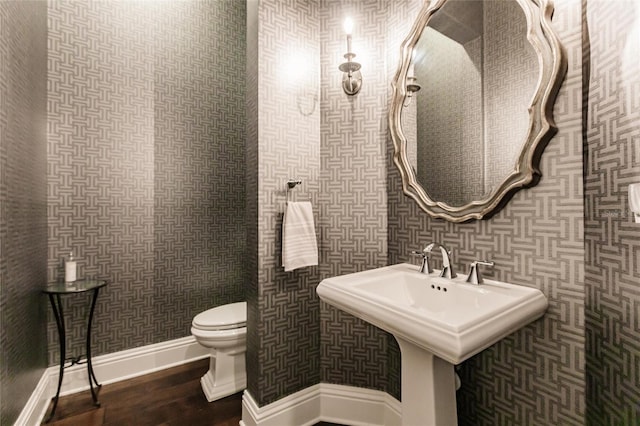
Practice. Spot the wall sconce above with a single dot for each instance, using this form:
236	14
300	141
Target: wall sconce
412	85
351	77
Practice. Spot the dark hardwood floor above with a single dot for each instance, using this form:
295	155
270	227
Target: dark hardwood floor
168	397
165	398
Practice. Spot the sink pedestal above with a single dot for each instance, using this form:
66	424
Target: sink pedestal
438	323
428	388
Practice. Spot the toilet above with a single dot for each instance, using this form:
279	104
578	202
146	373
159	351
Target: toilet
223	330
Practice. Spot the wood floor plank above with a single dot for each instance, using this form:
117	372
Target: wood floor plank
172	397
89	418
169	397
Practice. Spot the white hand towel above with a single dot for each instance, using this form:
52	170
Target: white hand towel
299	244
634	200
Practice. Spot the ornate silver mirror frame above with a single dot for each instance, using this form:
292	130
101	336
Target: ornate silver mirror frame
552	62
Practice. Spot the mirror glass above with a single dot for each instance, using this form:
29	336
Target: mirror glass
469	103
474	66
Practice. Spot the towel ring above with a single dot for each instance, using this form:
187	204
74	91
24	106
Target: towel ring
292	183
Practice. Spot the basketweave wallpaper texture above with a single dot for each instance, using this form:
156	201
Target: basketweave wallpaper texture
23	202
353	225
129	147
612	240
146	163
284	140
536	240
536	375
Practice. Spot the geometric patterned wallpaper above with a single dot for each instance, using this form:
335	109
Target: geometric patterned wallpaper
130	158
450	114
354	235
353	201
510	71
495	75
283	308
199	141
536	375
100	167
146	150
251	214
23	203
545	249
612	239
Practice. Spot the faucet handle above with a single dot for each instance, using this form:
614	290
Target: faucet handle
447	267
425	268
475	277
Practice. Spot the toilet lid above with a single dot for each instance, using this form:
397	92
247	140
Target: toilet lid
233	315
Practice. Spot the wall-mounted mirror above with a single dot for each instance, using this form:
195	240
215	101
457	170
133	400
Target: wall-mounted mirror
472	103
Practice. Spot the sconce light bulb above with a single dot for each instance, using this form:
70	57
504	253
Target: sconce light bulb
351	78
348	26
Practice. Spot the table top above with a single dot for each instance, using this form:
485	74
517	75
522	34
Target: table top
78	286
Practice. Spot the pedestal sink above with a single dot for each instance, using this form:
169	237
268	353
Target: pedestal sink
437	322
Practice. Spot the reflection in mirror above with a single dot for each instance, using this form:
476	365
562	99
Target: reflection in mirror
475	67
471	132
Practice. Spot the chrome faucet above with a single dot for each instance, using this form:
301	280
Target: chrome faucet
425	267
475	277
447	267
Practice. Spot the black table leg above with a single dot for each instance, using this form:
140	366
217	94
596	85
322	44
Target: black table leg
59	289
90	373
56	304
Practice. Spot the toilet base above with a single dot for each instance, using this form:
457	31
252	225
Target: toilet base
226	376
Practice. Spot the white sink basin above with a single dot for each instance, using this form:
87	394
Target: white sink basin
428	316
450	318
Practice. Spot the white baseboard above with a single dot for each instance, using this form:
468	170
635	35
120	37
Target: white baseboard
358	406
324	402
36	407
302	408
321	402
109	368
123	365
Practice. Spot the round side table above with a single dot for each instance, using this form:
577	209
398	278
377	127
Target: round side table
55	291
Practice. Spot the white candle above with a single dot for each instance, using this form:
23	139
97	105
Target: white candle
348	28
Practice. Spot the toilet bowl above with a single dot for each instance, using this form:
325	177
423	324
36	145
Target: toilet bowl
223	330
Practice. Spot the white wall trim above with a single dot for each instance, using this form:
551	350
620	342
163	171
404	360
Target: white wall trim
324	402
109	368
36	407
358	406
302	408
130	363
